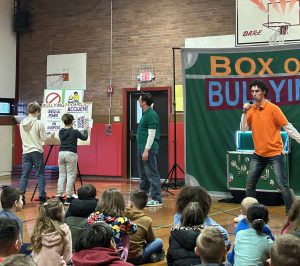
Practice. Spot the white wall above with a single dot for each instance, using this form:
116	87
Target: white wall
7	50
7	79
222	41
5	150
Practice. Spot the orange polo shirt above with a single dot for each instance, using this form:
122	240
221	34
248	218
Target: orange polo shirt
265	123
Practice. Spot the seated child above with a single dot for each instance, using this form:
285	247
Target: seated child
110	209
51	239
10	240
86	202
182	240
210	246
144	247
243	224
252	246
285	251
11	201
96	246
80	209
198	194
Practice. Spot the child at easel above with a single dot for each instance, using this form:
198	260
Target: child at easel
67	159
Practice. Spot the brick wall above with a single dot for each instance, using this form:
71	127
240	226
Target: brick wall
144	32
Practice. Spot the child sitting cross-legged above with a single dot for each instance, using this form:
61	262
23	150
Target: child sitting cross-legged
144	246
110	209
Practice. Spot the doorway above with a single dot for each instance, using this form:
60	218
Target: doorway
134	113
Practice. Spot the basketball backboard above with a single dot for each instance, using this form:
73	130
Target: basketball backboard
66	71
256	20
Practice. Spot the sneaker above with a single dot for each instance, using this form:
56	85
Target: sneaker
68	201
153	203
43	199
155	257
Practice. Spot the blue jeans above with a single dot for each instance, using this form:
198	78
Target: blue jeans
28	160
149	175
150	248
257	165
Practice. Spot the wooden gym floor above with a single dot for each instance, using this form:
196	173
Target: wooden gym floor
162	217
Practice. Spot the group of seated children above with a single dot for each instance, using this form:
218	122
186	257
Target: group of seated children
106	232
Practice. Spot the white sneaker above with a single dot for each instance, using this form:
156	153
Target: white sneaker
153	203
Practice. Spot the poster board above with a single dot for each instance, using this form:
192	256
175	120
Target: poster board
63	96
51	117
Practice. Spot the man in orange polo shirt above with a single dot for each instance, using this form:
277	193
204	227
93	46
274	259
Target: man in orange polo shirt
265	120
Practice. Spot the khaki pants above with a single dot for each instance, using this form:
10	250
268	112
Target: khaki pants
67	162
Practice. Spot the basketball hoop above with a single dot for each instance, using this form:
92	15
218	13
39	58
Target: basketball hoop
55	81
276	32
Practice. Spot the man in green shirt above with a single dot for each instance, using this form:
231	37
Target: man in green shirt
148	147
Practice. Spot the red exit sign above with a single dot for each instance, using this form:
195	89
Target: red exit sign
145	76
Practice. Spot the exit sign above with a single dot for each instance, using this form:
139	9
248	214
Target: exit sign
145	77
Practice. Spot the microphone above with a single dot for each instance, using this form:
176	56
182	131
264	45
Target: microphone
245	110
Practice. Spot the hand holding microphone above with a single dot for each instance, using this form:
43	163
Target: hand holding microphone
247	106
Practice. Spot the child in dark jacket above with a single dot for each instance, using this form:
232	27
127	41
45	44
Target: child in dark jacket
85	204
183	237
67	158
144	246
80	209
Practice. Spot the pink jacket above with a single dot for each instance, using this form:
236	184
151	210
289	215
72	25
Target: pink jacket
54	251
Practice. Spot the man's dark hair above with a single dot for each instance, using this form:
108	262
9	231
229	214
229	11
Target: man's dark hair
9	196
260	84
139	199
87	191
67	119
147	97
285	250
97	235
33	107
9	233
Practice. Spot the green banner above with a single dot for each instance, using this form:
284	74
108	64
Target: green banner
215	87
